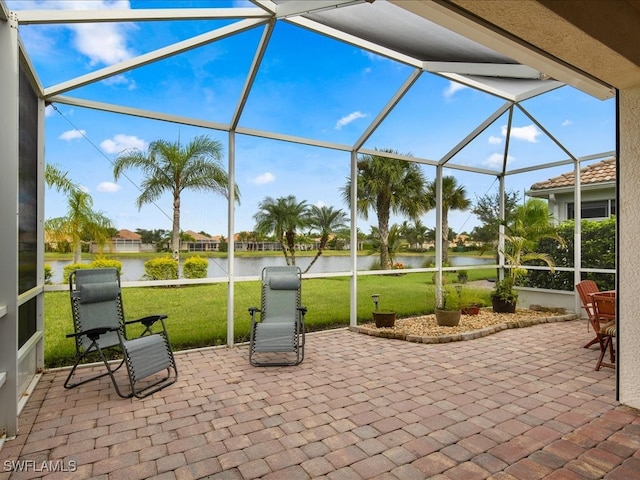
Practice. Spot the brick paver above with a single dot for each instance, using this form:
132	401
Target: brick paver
505	406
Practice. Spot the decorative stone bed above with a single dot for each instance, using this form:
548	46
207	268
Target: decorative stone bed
424	329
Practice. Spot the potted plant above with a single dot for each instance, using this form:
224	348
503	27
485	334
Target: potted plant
470	303
504	296
382	319
448	310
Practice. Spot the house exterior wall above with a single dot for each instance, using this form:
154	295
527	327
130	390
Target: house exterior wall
628	261
559	202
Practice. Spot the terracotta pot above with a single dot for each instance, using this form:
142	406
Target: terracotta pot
448	318
501	306
471	310
384	319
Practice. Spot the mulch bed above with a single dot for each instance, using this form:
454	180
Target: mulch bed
424	329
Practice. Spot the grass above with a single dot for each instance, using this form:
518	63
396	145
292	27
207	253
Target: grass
198	313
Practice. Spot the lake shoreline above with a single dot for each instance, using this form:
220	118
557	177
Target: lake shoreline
133	267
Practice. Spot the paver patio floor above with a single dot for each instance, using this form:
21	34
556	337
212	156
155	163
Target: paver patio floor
520	404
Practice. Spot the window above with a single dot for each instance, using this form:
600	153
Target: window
593	209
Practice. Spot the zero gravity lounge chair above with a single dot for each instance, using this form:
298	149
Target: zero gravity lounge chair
100	329
277	337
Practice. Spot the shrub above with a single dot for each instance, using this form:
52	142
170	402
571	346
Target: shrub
48	274
195	267
161	268
72	267
598	251
101	262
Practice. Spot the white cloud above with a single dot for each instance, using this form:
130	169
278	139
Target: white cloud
103	43
453	87
72	134
263	178
121	142
567	122
48	111
320	204
529	133
495	160
493	140
121	80
108	187
348	119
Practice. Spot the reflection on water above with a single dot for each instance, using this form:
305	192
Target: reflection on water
133	268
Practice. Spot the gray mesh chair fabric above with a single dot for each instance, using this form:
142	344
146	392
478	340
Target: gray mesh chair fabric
277	333
100	329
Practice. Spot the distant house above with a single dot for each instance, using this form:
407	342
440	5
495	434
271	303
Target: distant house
598	192
200	243
125	241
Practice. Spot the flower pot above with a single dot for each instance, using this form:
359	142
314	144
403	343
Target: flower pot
384	319
448	318
471	310
502	306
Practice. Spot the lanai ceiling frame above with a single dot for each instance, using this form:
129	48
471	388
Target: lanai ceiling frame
351	22
511	81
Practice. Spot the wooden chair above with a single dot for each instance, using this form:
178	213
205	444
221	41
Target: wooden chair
604	320
586	288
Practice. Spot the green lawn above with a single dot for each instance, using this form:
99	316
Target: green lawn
198	313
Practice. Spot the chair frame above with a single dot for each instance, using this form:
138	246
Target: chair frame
604	307
99	339
585	289
298	339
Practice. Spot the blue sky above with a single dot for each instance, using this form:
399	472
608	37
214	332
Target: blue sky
308	85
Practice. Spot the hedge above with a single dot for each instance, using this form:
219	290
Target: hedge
598	251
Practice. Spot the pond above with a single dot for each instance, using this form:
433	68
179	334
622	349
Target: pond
133	268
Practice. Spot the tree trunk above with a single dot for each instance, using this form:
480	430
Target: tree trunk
323	243
283	247
383	230
291	244
77	251
175	232
445	238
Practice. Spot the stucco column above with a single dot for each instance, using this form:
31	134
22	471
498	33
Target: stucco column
628	261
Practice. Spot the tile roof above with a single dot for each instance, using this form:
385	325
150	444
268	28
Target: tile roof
198	236
128	234
600	172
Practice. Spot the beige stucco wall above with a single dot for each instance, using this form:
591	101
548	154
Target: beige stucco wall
629	255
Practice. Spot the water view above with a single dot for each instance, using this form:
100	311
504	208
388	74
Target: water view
133	268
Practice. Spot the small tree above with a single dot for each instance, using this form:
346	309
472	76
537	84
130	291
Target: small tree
325	221
282	217
174	168
388	185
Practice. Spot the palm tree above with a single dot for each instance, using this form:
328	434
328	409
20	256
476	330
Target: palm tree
326	221
172	167
415	234
282	217
454	197
388	185
56	178
532	221
80	223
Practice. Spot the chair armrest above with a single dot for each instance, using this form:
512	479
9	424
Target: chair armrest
253	310
93	333
302	310
147	321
